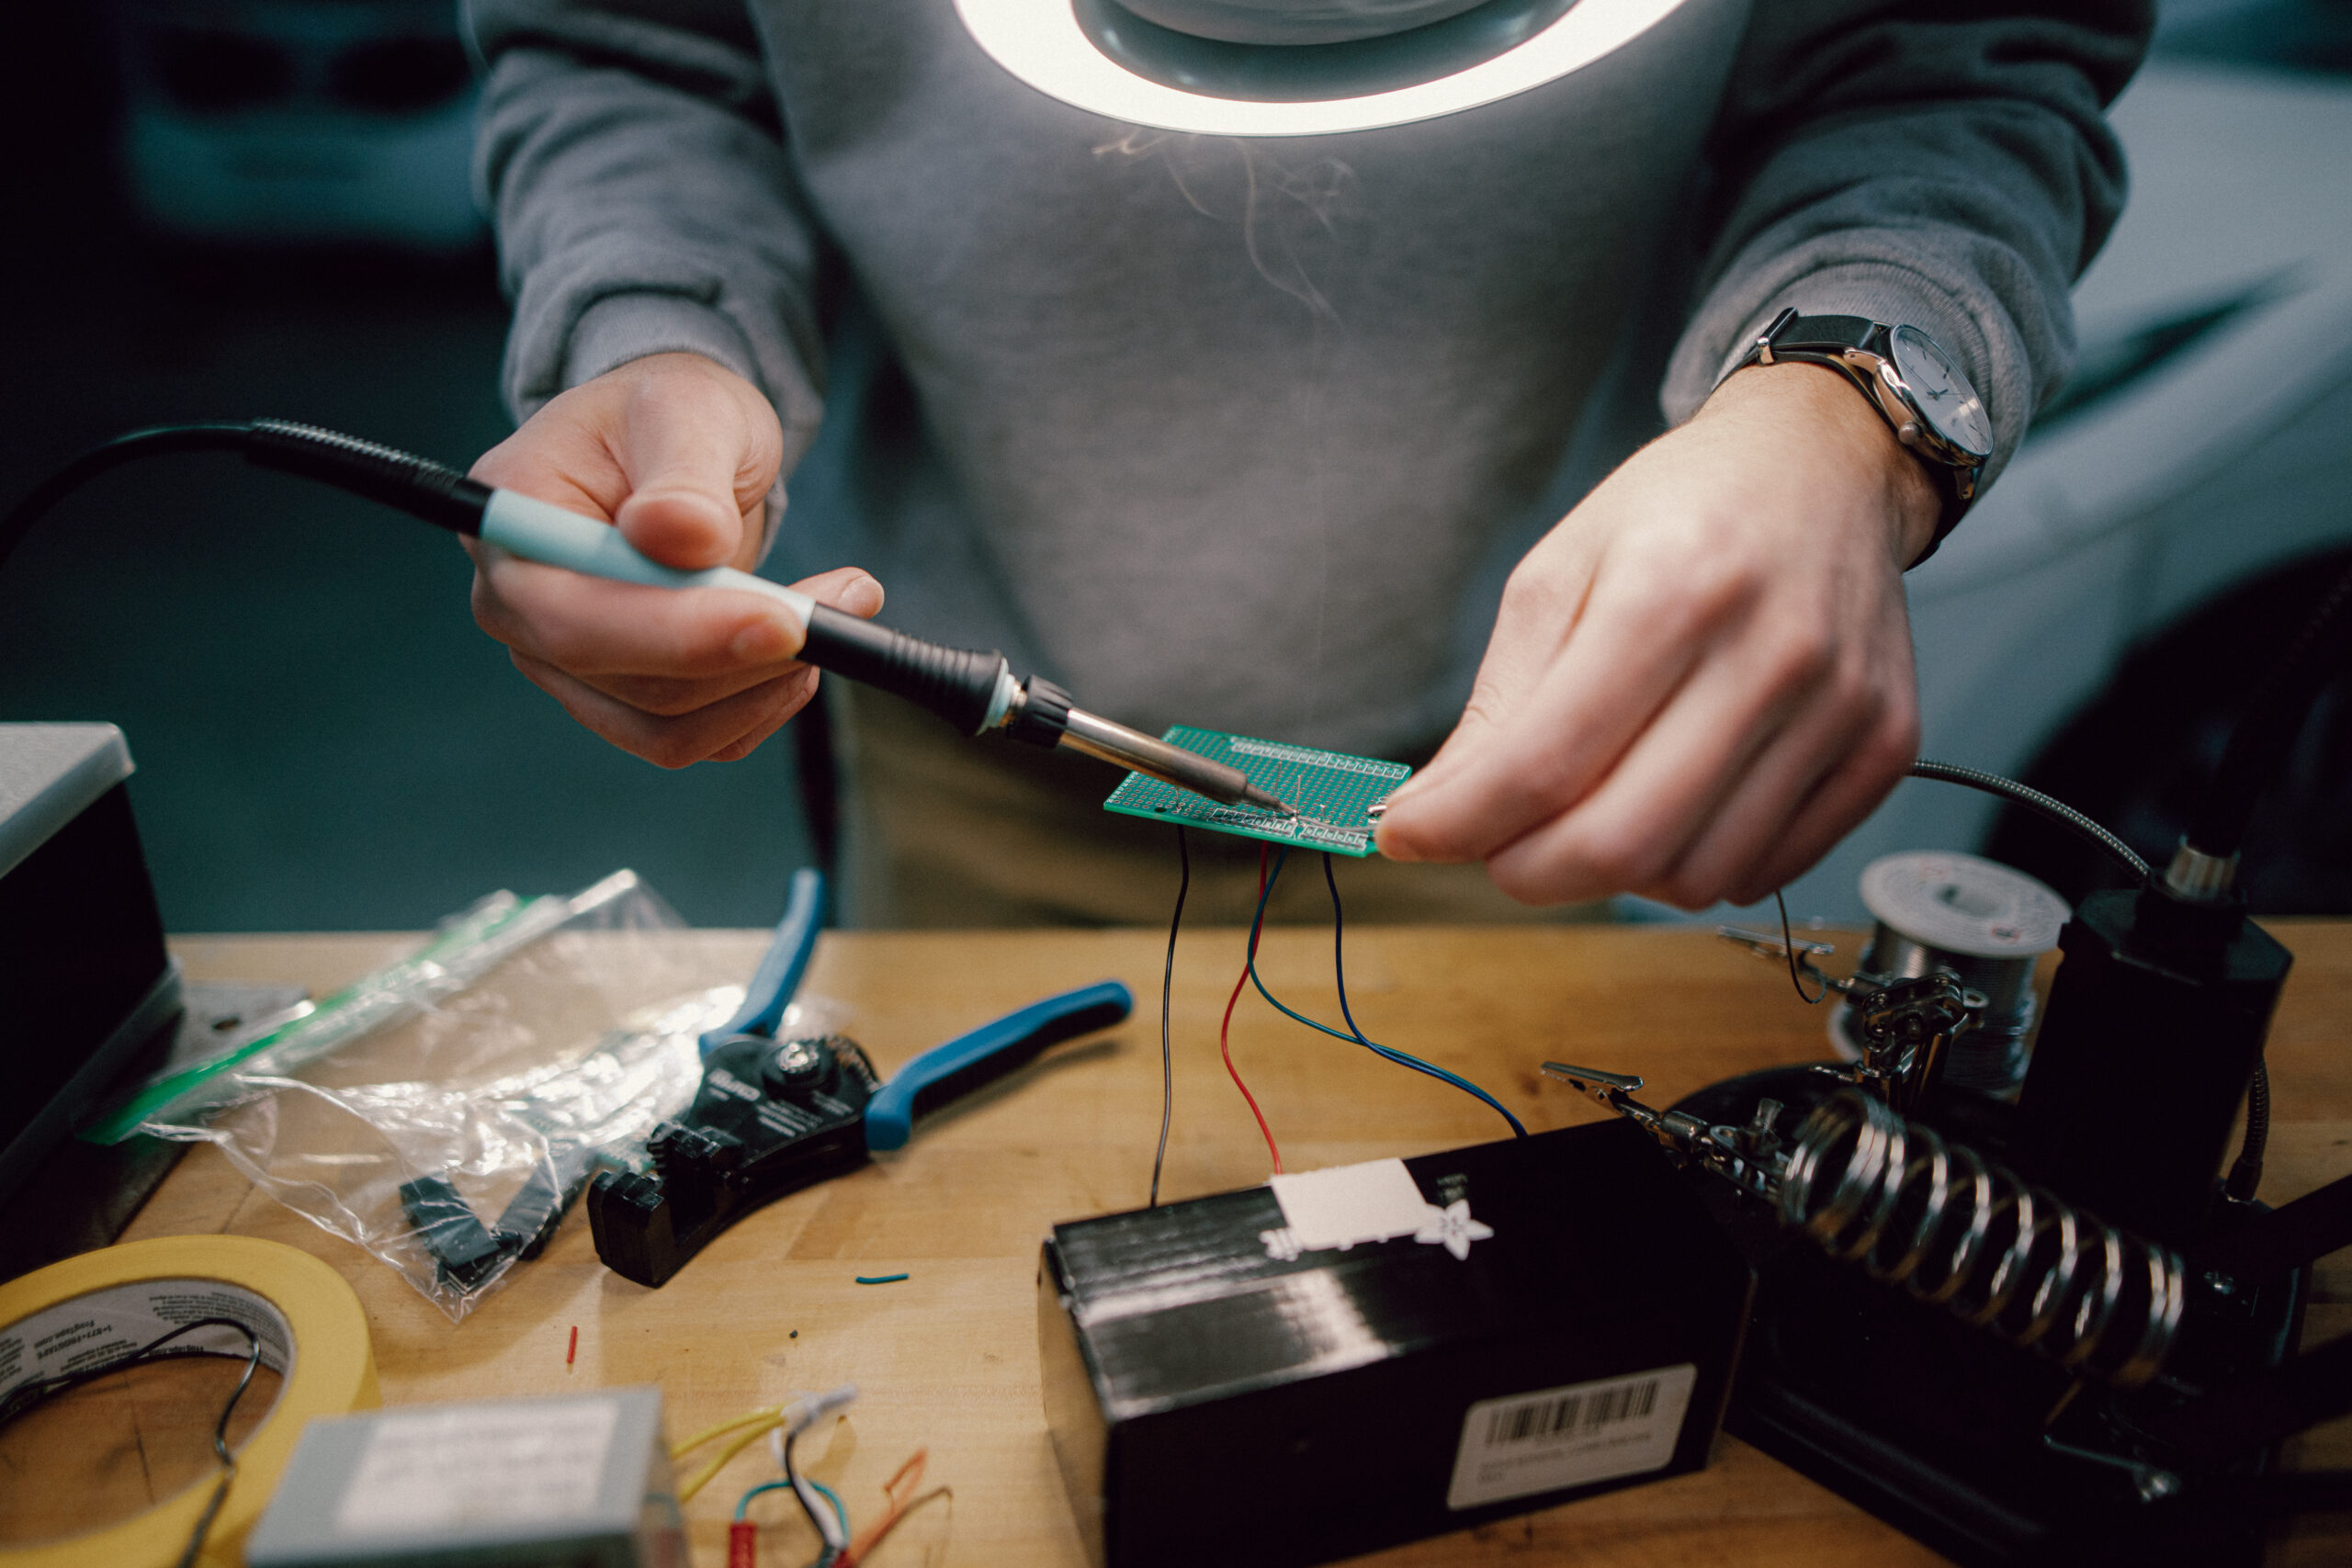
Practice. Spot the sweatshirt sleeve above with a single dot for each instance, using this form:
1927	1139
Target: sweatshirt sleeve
630	154
1948	167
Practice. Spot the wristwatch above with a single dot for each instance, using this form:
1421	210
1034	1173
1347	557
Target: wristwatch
1916	387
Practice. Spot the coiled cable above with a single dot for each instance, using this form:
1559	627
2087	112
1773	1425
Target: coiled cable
1956	1231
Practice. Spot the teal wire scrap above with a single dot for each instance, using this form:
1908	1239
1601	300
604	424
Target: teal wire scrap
1356	1036
881	1279
742	1507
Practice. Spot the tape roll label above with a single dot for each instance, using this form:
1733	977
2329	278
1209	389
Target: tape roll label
106	1324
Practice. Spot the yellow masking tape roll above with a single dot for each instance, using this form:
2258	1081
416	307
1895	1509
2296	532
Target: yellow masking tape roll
105	1304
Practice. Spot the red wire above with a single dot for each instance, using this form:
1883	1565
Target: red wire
1224	1043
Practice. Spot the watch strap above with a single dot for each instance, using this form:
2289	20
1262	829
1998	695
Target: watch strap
1825	340
1794	333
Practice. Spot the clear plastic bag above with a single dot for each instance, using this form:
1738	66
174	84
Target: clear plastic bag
442	1112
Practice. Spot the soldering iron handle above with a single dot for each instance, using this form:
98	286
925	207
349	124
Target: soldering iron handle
962	685
967	687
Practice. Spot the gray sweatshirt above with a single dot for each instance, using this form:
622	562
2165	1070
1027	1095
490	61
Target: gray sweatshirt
1246	433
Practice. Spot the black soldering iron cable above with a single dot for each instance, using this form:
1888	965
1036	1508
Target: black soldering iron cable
208	437
973	689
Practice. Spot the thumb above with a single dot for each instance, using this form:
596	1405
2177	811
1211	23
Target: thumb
696	474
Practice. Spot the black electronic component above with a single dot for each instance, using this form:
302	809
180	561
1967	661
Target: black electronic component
1565	1323
2154	1031
464	1252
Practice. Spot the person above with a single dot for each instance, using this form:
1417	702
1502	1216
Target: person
1290	437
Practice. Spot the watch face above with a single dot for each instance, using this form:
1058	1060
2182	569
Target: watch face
1950	405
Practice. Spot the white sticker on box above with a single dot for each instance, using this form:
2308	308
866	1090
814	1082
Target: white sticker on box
1347	1204
444	1469
1553	1437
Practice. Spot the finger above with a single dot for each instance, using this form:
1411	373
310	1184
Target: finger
674	742
1851	791
1541	606
1747	824
845	589
1636	644
1662	793
697	476
1861	725
600	630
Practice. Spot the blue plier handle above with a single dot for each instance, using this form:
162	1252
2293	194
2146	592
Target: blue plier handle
941	1073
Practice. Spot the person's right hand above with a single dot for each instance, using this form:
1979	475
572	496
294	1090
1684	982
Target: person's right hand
679	453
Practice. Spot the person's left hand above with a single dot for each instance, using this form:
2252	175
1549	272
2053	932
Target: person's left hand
1702	677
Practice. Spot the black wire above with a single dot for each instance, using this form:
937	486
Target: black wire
824	1530
2057	811
1167	981
209	437
27	1395
1788	946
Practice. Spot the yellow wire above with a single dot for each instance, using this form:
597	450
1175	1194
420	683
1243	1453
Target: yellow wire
701	1477
680	1450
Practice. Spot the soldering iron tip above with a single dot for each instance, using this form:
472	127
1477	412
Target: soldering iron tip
1265	800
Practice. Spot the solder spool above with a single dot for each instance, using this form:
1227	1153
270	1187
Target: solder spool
1986	923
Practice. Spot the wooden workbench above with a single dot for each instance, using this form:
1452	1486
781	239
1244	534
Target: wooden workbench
948	1358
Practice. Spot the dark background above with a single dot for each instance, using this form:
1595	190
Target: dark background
325	740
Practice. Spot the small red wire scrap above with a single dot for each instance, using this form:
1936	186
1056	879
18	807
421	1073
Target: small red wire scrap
899	1489
1224	1042
572	1353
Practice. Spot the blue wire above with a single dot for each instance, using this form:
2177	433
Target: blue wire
1355	1036
840	1512
743	1506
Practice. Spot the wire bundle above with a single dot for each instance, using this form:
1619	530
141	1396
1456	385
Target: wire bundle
1339	971
1268	874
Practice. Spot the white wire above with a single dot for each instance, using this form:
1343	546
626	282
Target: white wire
799	1417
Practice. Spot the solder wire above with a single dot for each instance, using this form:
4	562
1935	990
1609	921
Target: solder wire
1354	1035
1789	948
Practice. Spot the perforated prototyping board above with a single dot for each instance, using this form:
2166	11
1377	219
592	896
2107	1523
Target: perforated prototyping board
1333	789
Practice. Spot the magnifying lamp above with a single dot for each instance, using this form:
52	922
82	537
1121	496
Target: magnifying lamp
1297	67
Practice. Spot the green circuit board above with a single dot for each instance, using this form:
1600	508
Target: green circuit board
1332	790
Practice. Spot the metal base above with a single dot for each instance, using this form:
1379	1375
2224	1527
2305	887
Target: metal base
1937	1428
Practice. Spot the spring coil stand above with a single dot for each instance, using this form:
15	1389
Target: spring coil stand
1941	1222
1954	1230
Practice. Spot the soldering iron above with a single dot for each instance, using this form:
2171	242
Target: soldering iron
973	689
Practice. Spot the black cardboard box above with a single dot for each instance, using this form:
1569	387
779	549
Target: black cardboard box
86	984
1565	1320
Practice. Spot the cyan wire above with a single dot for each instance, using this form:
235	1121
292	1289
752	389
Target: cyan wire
1356	1036
840	1512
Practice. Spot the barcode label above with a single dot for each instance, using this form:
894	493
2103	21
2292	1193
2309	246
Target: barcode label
1556	1438
1552	1417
